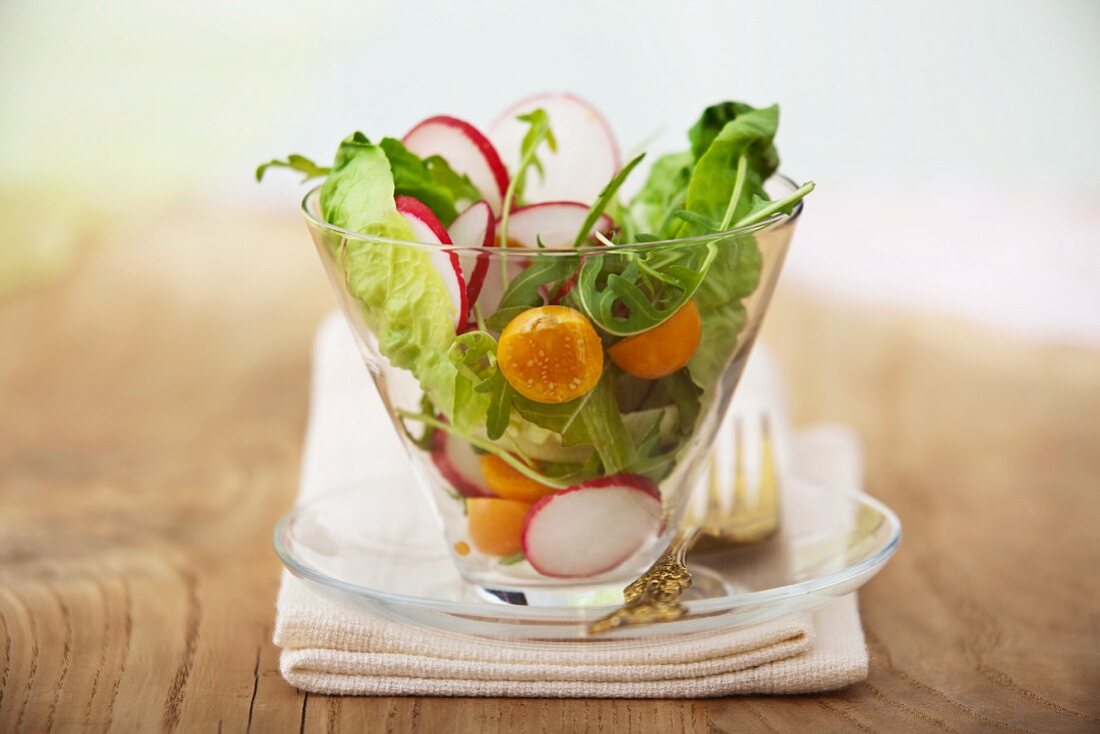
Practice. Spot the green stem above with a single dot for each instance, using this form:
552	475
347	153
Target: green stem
605	197
739	184
506	210
488	446
603	239
776	206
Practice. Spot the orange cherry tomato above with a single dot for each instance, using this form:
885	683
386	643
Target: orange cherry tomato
550	354
508	483
496	525
663	349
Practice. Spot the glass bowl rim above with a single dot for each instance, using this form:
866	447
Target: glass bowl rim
569	613
774	222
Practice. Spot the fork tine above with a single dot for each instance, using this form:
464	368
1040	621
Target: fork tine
768	491
714	491
740	483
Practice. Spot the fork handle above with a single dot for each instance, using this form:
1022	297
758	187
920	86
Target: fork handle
655	595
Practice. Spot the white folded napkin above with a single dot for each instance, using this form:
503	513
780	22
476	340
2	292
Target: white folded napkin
327	648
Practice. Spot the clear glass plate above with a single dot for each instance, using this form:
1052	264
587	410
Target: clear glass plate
832	541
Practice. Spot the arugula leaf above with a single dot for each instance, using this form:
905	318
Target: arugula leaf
685	397
604	425
538	132
593	418
762	209
501	397
605	197
649	428
573	472
503	316
425	440
561	418
295	162
526	289
701	220
603	298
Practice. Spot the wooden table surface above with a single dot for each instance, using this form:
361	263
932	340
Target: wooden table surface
152	408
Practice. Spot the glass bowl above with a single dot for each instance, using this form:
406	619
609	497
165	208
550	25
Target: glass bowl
556	443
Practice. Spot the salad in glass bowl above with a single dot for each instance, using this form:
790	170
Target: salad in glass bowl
556	355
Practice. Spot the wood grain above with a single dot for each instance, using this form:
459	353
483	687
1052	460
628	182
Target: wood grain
152	407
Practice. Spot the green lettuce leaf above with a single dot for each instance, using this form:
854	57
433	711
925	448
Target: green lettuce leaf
734	275
722	185
664	191
474	356
714	119
402	298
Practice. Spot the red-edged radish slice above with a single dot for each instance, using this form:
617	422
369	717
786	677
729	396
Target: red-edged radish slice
556	223
475	227
587	155
590	529
458	463
466	149
428	229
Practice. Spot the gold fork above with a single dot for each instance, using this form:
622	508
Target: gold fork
655	595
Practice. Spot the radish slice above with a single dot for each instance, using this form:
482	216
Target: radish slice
587	155
589	529
458	463
429	230
467	151
556	223
475	227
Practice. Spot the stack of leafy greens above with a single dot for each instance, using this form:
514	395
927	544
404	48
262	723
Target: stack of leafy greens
631	421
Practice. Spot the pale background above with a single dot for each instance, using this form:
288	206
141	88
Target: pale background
954	143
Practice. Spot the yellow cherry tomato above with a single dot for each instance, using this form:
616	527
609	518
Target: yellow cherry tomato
508	483
495	525
550	354
663	349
